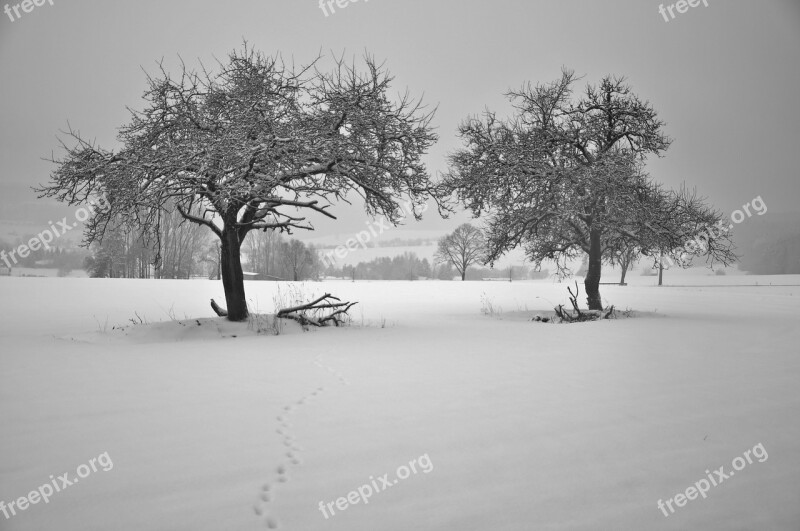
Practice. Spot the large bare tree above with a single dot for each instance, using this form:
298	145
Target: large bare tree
565	176
462	248
251	147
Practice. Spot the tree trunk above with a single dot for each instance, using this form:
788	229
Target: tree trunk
232	277
592	281
660	271
624	270
219	262
463	275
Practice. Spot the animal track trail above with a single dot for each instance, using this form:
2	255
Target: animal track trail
293	455
318	362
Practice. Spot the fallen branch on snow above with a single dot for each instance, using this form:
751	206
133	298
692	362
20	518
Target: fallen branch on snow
577	315
316	310
301	313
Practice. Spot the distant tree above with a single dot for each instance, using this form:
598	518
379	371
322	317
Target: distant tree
584	268
66	260
462	248
315	266
300	261
535	274
444	272
181	245
99	264
263	250
425	268
565	176
406	266
109	257
211	257
624	258
244	148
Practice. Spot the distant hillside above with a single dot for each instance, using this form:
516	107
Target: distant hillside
769	245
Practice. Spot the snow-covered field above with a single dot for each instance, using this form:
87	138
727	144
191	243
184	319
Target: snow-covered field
524	426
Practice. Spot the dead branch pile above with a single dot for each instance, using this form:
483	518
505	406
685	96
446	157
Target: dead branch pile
576	315
319	312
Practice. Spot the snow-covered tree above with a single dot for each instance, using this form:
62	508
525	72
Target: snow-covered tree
565	176
251	147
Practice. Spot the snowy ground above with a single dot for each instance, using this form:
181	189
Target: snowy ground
524	425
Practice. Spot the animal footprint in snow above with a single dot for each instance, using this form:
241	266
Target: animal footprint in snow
271	523
282	477
290	443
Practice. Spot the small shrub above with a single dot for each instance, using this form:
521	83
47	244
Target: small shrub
488	307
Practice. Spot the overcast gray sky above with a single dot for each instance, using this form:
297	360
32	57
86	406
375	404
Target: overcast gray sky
725	78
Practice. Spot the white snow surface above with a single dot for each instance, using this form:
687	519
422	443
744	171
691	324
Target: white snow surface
527	425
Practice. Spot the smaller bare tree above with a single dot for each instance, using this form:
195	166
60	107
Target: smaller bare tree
625	258
464	247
